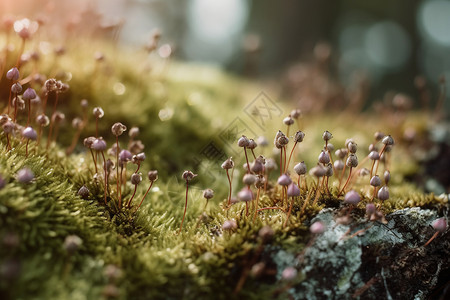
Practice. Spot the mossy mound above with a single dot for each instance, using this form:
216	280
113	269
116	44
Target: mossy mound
142	254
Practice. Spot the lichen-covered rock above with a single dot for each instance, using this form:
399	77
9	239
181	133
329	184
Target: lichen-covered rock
381	261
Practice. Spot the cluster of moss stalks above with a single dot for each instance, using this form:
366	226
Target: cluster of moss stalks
56	244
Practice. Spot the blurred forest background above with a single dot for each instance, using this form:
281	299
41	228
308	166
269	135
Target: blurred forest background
387	42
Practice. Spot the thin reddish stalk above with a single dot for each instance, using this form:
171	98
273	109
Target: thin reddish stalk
264	208
348	179
185	206
432	238
151	183
95	161
281	161
290	155
132	196
289	212
117	172
229	181
106	176
256	204
246	159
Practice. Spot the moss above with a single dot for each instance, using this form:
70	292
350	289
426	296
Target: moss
203	261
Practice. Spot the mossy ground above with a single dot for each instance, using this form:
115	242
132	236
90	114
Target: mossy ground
178	116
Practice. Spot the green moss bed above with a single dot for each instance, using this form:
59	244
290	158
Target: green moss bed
57	245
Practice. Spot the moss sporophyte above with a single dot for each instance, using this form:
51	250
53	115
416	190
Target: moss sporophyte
260	235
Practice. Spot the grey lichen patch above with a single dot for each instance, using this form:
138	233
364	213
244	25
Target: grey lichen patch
334	266
331	263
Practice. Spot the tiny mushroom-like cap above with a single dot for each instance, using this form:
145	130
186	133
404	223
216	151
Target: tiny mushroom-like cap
284	180
299	136
16	88
136	147
260	181
249	179
134	132
83	192
329	147
140	157
352	161
383	193
317	227
112	272
318	171
341	153
348	141
4	118
266	234
50	84
84	103
300	168
87	142
388	140
373	147
324	158
229	225
288	121
387	176
378	135
58	116
339	165
25	175
118	128
279	133
352	147
364	172
262	141
136	178
99	145
188	176
270	164
243	141
352	197
98	112
440	224
13	74
29	94
77	123
282	141
296	113
257	166
29	133
208	194
293	190
228	164
245	195
327	135
152	175
42	120
125	155
8	127
72	243
289	274
370	209
374	155
252	144
375	181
